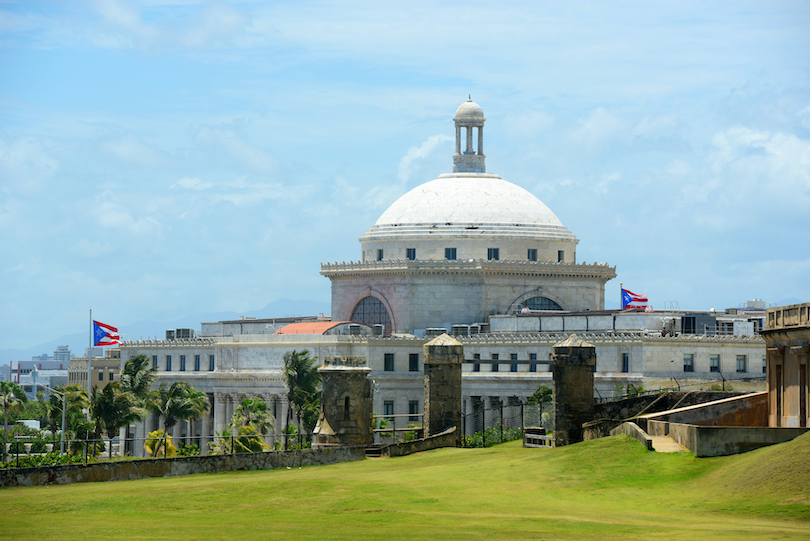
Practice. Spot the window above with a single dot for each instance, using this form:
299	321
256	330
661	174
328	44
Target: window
182	363
477	366
413	362
764	365
714	363
741	363
493	254
371	311
450	254
413	410
210	363
533	366
389	362
101	375
196	363
111	375
168	363
514	367
541	303
154	361
688	362
410	253
532	255
560	256
625	362
494	365
379	254
388	408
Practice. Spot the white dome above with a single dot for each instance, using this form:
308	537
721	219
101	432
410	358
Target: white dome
469	110
469	204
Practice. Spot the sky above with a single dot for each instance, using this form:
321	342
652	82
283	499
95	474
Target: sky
161	159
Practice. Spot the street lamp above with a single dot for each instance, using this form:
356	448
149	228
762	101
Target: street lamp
64	408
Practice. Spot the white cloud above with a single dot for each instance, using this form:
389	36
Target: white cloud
131	149
419	153
25	165
244	151
109	212
192	184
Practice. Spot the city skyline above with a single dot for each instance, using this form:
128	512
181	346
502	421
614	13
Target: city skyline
159	160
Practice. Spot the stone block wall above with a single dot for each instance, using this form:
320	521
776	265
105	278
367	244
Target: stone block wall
574	361
443	358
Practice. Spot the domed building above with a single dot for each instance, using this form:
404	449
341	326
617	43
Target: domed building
461	248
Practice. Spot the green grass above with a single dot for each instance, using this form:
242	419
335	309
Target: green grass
605	489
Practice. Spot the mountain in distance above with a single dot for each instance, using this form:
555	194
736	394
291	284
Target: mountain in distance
150	329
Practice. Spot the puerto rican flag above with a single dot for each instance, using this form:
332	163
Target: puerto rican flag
632	300
105	335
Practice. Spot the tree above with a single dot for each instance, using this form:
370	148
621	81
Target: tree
253	412
112	408
303	384
177	402
12	396
137	377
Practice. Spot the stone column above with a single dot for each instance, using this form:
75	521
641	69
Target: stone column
219	412
458	139
574	361
443	357
205	430
480	140
469	140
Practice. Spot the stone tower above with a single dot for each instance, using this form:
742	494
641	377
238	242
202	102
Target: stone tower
346	403
574	362
469	116
443	357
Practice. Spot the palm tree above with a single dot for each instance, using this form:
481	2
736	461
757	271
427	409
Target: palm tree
253	412
201	407
12	396
112	408
76	400
177	402
303	382
137	377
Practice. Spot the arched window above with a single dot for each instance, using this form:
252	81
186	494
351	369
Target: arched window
541	303
371	311
346	409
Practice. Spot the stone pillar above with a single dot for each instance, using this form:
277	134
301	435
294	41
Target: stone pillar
574	361
469	140
346	403
480	140
205	431
219	412
443	357
458	139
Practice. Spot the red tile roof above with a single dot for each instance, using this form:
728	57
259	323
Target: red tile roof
310	327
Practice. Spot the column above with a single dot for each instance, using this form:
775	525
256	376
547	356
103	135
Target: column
205	431
458	139
480	140
219	412
469	140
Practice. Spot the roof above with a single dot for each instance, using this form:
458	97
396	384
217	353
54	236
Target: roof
310	327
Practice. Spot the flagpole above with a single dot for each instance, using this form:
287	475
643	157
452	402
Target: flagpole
621	297
89	353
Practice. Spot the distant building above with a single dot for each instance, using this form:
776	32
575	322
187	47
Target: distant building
103	370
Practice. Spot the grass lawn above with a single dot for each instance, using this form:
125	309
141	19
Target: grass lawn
606	489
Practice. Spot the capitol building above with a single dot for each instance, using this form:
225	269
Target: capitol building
475	256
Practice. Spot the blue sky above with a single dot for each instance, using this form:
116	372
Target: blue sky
161	159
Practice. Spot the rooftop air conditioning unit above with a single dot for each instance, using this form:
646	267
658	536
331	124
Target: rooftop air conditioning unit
436	331
475	329
460	330
354	329
183	333
169	334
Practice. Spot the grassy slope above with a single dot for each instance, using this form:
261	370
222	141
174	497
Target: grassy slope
605	489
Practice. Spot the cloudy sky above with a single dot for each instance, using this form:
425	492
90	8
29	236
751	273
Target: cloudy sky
161	159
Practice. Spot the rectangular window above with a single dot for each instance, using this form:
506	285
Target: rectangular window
168	363
532	255
388	408
410	253
741	363
154	361
625	362
182	363
514	357
688	362
196	363
714	363
413	409
111	375
560	256
494	365
413	362
477	366
764	365
379	254
100	376
450	254
493	254
389	362
210	363
533	366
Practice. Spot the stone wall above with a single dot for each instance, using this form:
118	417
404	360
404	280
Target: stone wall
169	467
443	357
448	438
748	410
706	441
574	361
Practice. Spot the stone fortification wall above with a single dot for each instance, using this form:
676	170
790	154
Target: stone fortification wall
169	467
574	361
448	438
706	441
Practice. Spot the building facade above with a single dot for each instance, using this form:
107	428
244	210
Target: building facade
787	338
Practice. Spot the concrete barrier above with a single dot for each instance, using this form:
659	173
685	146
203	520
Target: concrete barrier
448	438
706	441
168	467
634	431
